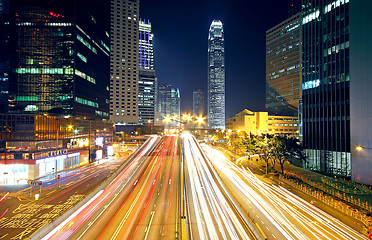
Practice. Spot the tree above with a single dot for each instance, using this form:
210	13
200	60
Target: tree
262	146
285	149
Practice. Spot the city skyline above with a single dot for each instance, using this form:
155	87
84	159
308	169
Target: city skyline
245	63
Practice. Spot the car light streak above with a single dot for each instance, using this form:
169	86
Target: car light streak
49	235
72	223
292	216
214	215
6	194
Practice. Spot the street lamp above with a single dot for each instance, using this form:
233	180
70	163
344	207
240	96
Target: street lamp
359	148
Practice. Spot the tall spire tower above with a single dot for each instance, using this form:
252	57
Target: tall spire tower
216	76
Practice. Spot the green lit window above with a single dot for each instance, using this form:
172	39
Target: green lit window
103	44
27	98
82	40
86	102
85	76
82	57
43	71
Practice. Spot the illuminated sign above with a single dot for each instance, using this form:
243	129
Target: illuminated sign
110	151
50	159
57	152
99	141
57	15
311	84
98	154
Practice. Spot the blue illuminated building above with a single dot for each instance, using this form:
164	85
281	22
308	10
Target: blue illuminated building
216	76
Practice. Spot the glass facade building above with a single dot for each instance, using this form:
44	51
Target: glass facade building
216	76
326	85
283	67
169	105
198	103
147	96
147	84
59	58
146	52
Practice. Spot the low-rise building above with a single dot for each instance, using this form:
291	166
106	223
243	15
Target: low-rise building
32	146
261	122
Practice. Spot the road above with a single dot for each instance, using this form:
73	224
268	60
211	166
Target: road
140	203
211	211
171	177
280	213
21	215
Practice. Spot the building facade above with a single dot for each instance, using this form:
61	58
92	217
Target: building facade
360	91
124	68
147	84
4	56
32	146
58	58
326	85
283	66
147	96
216	76
198	103
169	105
261	123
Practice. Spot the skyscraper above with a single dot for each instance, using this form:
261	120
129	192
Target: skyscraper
198	103
169	104
326	85
147	84
283	66
216	76
58	58
124	61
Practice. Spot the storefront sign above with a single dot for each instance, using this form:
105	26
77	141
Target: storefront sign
57	152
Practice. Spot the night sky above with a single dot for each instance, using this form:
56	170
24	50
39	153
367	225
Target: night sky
181	45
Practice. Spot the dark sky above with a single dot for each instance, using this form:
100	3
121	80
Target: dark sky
181	45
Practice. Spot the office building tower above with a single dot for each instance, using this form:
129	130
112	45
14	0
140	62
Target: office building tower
4	56
283	67
360	89
198	103
326	85
58	58
216	76
147	95
147	84
124	61
146	52
169	105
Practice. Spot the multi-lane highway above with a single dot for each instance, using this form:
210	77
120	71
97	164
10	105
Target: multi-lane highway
140	203
172	185
20	217
279	213
212	212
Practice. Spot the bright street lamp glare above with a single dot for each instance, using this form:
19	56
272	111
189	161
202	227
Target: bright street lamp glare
200	120
359	148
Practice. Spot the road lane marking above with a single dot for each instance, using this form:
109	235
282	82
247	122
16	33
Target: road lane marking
149	226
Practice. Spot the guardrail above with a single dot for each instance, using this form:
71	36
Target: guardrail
329	200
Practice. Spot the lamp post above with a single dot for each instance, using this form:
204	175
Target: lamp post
149	122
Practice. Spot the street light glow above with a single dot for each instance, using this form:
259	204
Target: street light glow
359	148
